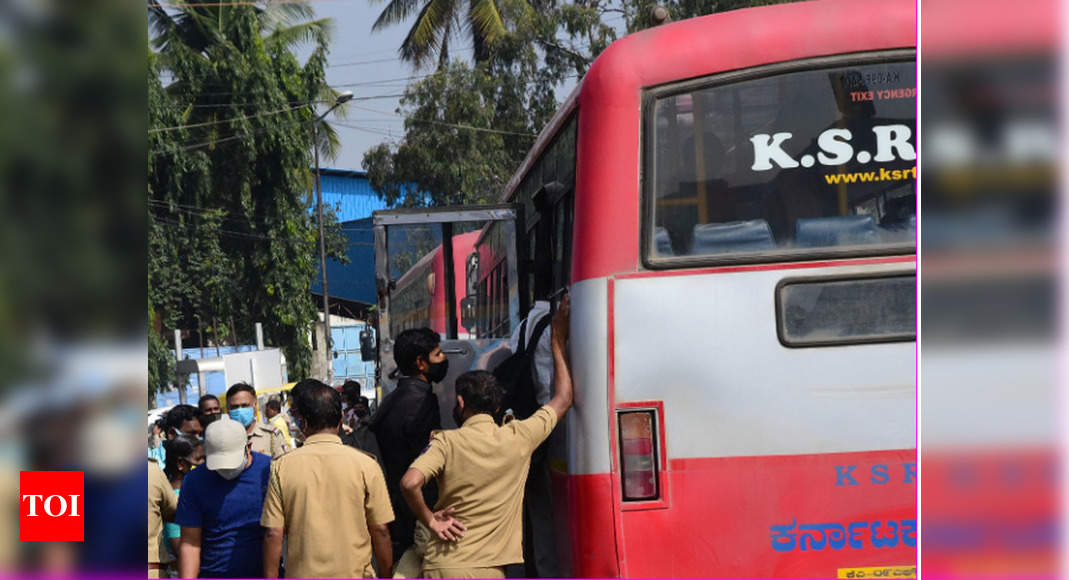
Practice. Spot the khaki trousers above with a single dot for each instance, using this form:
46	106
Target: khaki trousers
495	572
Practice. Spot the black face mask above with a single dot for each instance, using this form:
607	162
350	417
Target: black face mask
437	372
458	414
205	420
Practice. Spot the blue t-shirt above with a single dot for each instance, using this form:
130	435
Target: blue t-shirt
228	513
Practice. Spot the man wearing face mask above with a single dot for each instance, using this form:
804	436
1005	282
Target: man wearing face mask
360	435
209	409
405	419
242	406
219	508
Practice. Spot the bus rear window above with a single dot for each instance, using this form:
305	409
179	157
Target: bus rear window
785	166
847	311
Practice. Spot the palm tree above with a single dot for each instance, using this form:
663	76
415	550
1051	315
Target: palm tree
438	21
196	34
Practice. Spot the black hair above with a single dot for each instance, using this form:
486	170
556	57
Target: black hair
350	391
412	344
237	388
180	447
180	414
480	392
200	402
318	405
274	405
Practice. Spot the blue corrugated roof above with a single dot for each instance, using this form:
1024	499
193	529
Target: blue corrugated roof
349	193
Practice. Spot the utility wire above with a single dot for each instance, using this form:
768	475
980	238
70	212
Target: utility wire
453	125
221	121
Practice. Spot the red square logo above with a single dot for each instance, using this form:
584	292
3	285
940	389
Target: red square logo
51	506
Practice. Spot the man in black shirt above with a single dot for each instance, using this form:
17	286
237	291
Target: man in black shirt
405	419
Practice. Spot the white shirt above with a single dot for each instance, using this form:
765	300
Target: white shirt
543	354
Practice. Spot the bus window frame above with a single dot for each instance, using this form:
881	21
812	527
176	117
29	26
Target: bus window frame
438	216
647	195
778	304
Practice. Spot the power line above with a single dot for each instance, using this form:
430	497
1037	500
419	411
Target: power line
453	125
230	3
302	103
221	121
233	137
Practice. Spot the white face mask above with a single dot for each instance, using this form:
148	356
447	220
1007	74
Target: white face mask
232	474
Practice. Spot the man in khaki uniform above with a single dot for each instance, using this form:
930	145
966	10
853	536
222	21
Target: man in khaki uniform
162	503
328	499
481	468
242	407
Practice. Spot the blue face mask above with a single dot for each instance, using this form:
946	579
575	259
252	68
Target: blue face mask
243	415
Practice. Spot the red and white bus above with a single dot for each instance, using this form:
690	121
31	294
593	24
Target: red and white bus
731	201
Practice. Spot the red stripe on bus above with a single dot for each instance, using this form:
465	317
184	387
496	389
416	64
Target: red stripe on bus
583	513
768	267
724	510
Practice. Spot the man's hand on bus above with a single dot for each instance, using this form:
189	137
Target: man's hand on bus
562	375
561	321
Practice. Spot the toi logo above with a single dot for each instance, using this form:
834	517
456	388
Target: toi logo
50	506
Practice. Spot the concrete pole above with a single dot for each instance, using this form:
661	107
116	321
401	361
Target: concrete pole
259	336
177	358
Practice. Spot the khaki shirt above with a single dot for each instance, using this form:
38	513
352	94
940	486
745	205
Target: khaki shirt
268	440
162	503
325	495
481	470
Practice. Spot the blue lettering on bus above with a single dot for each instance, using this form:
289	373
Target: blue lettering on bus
880	475
842	475
836	536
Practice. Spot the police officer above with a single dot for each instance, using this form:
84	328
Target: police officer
242	406
476	528
328	499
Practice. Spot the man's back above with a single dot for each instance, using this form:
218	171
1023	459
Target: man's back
481	469
325	495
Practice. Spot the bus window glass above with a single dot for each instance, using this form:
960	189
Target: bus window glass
489	287
836	312
415	270
793	163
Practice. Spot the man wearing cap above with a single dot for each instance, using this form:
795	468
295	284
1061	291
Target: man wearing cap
328	499
219	508
242	406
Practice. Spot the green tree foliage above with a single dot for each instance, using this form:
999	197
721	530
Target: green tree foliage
436	24
637	12
468	126
232	240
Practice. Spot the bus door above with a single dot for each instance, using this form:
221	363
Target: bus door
458	271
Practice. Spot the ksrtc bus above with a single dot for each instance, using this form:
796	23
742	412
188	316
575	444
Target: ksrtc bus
731	201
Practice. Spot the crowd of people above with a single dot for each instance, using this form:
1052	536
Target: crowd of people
323	487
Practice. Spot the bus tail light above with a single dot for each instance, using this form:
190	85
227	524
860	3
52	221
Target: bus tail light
638	447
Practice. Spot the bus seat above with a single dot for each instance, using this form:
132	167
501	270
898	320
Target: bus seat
661	242
740	236
899	232
835	231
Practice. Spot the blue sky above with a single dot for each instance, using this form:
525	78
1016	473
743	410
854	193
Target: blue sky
366	63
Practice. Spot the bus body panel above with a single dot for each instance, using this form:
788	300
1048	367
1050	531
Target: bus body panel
580	455
828	456
727	514
731	389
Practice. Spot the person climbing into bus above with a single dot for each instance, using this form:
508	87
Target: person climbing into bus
476	526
